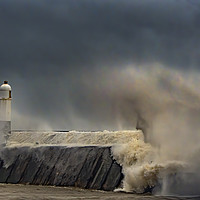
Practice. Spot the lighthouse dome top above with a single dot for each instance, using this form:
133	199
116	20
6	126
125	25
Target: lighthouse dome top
5	86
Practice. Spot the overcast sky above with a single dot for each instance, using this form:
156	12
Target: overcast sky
60	55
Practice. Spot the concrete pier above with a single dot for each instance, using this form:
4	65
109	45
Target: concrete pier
89	167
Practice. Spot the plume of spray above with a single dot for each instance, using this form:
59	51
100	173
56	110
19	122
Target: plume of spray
165	104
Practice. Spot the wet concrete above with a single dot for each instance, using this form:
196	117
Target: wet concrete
32	192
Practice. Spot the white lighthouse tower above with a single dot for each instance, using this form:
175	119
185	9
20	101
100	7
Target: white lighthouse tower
5	112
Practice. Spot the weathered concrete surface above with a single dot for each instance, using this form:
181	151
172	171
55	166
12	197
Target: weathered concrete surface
86	167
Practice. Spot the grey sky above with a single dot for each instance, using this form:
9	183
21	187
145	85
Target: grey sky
53	51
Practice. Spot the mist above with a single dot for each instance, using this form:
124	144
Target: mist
168	103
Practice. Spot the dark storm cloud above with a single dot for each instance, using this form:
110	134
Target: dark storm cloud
74	32
50	49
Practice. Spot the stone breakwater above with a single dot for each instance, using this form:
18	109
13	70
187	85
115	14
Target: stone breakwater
90	167
93	160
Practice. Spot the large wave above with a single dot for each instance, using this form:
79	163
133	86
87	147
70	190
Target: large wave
165	105
142	164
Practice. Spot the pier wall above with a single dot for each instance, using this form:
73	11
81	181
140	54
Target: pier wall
89	167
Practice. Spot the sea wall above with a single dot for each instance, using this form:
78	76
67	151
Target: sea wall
87	167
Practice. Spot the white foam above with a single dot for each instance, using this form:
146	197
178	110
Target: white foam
78	138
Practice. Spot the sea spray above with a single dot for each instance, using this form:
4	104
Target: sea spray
165	103
142	168
149	176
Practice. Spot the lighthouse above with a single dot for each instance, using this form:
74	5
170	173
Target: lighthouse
5	112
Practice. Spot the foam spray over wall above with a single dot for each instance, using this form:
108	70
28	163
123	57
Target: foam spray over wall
169	104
